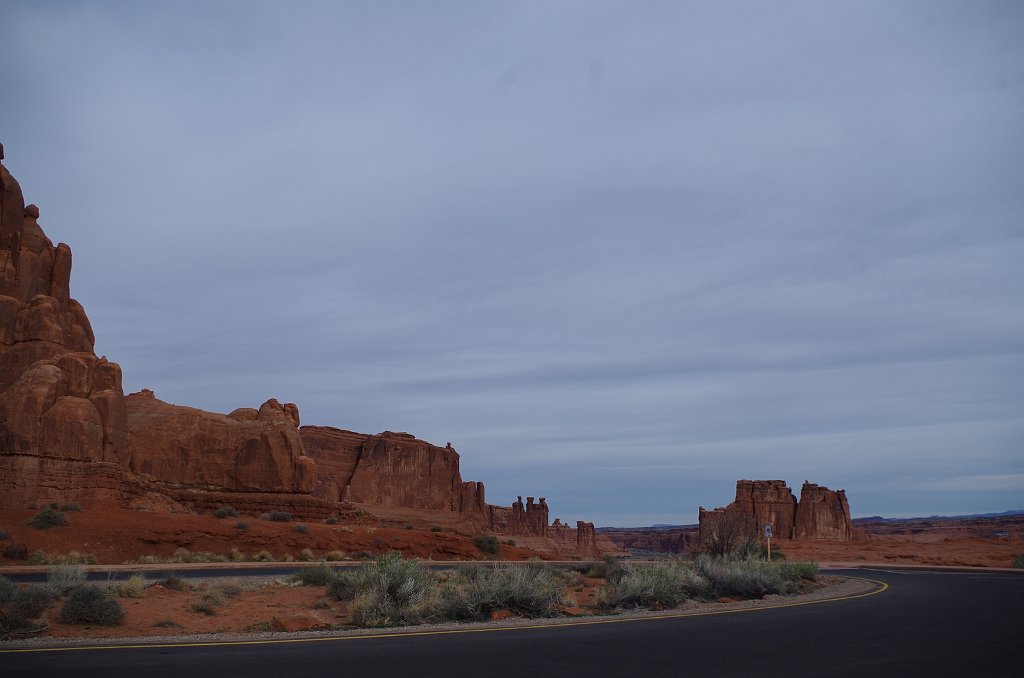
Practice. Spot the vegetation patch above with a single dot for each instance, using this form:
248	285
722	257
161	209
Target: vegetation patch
133	587
654	585
526	591
47	518
487	543
91	605
63	579
225	512
321	575
393	591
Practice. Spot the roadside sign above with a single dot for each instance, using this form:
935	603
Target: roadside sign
768	531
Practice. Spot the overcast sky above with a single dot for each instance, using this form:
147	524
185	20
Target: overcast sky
619	254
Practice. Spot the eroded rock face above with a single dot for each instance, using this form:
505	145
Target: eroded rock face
58	400
178	445
823	514
586	540
529	520
390	469
820	514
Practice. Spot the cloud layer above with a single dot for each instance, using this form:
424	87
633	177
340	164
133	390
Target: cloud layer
620	255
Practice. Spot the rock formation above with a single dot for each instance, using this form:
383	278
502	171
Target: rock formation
389	469
586	540
820	514
68	432
530	520
823	514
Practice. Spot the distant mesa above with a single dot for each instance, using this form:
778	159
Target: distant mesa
820	513
69	433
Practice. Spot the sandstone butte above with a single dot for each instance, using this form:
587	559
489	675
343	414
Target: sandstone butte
69	433
820	513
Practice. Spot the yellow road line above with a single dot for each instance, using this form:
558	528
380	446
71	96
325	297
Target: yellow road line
882	586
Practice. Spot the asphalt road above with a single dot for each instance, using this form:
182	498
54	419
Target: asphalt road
925	624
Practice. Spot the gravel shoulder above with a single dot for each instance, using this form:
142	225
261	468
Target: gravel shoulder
834	587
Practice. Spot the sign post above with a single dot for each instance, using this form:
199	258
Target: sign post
768	534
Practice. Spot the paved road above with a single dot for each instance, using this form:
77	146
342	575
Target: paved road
926	624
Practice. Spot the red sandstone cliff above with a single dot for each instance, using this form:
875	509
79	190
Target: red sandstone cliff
68	432
389	469
820	514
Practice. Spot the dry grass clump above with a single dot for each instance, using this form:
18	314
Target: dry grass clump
752	578
62	579
132	587
321	575
527	591
208	601
653	585
334	555
394	591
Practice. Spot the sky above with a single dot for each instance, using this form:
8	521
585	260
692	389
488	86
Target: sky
620	254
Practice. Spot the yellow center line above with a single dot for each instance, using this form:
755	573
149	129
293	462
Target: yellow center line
882	586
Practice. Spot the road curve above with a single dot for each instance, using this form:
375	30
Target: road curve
925	624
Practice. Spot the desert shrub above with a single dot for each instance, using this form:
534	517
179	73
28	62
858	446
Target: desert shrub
335	555
307	555
437	528
30	602
48	518
509	542
225	512
795	571
331	520
62	579
749	549
278	516
132	587
664	584
608	568
345	585
167	624
527	591
207	601
175	584
301	528
227	588
242	526
487	543
743	578
92	605
393	591
1018	560
7	589
321	575
149	559
71	507
4	536
15	551
263	556
235	555
38	557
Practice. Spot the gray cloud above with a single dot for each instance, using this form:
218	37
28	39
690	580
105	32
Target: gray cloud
619	254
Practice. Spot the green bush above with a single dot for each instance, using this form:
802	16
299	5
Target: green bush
72	507
225	512
321	575
331	520
795	571
62	579
526	591
278	516
487	543
242	526
15	551
48	518
345	585
393	591
31	602
91	605
1018	560
663	584
437	528
301	528
608	568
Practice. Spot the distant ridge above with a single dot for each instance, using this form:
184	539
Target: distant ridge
880	519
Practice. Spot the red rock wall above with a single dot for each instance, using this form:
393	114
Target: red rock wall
390	469
820	514
519	520
823	514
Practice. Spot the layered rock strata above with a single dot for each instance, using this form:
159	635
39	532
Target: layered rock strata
529	520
